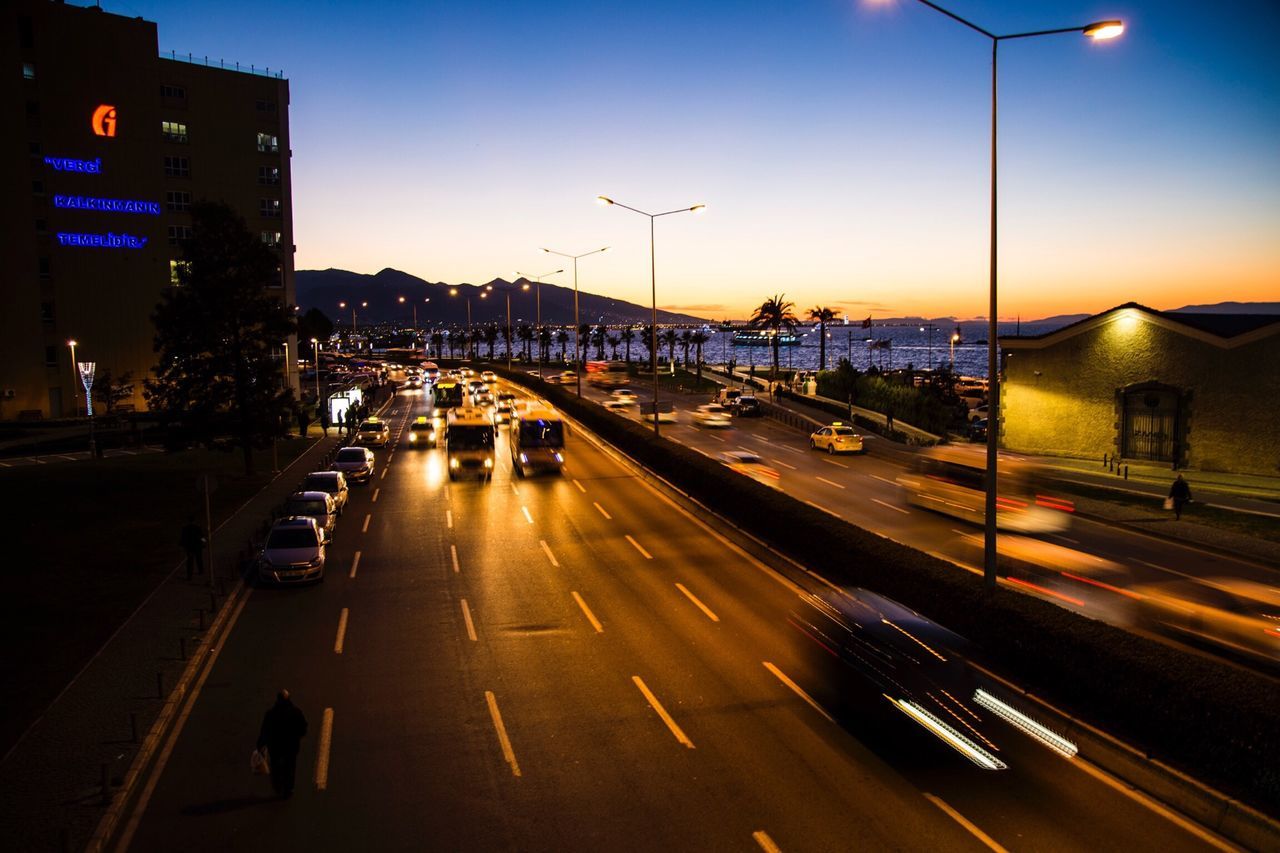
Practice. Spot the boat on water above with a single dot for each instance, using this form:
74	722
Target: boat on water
763	338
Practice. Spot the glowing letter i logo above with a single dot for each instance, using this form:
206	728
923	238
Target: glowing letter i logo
104	120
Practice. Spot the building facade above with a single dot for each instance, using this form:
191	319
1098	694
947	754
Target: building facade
1198	391
110	146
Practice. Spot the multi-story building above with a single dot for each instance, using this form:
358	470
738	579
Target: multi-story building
109	145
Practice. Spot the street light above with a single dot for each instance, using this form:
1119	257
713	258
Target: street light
537	279
75	378
955	339
453	291
1099	31
315	342
930	327
577	350
353	316
653	285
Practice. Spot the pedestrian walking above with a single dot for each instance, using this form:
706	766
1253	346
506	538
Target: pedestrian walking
324	420
192	540
283	727
888	419
1180	494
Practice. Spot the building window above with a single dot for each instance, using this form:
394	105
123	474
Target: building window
167	91
265	106
269	207
37	187
44	267
28	71
174	131
51	355
177	200
179	234
269	175
46	313
268	143
271	238
176	270
177	167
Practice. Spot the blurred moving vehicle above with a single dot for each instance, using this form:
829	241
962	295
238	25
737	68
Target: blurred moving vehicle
355	463
333	483
747	406
315	504
951	479
750	464
536	441
373	433
448	395
506	404
484	400
608	374
728	396
475	386
413	382
468	441
488	377
430	371
565	377
712	416
837	438
422	432
1230	613
624	396
294	552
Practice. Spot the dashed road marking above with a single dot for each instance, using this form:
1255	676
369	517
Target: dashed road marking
706	610
448	518
466	617
355	563
453	554
364	528
580	488
829	482
322	750
602	510
508	754
966	823
591	617
891	506
834	462
375	495
797	689
638	547
527	517
766	843
546	549
342	632
662	712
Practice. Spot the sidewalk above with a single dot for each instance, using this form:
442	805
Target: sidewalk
1242	492
51	781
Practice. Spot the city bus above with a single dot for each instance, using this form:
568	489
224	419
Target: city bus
430	372
448	395
468	442
536	440
608	374
951	479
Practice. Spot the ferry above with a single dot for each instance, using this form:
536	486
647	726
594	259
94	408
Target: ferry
763	338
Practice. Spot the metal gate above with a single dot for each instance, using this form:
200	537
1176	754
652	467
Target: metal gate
1150	429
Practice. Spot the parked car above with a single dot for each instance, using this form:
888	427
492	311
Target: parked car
836	438
977	430
333	483
373	432
712	416
748	406
315	504
294	552
356	463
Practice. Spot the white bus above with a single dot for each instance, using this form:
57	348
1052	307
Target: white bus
536	439
468	441
951	479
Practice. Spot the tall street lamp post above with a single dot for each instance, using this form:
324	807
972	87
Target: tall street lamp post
1099	30
453	291
353	318
75	378
653	285
537	280
315	342
508	290
577	349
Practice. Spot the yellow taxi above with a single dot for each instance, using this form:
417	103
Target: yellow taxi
837	438
422	432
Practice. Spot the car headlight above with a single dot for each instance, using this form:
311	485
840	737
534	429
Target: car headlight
316	562
453	463
524	459
559	458
413	436
488	463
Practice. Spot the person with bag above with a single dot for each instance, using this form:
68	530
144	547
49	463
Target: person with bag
1179	496
283	727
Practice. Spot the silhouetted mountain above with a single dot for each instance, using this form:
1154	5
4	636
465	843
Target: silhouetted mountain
1231	308
324	289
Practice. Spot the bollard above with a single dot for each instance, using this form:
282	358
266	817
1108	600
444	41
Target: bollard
182	648
133	727
106	783
1126	472
160	685
1104	460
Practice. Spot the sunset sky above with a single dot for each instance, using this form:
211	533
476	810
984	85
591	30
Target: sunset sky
841	147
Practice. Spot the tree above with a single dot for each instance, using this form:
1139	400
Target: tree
669	339
584	341
628	335
490	338
646	338
823	316
597	336
775	315
544	344
525	334
314	324
112	390
614	340
562	338
698	338
219	334
686	338
437	341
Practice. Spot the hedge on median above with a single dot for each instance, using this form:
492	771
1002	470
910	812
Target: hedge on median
1216	722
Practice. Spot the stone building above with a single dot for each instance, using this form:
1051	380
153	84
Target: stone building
1198	391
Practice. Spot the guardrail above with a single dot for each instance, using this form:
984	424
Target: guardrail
278	74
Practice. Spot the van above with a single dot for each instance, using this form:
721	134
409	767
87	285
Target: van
468	441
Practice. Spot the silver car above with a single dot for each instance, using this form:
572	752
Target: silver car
317	505
355	463
332	482
293	553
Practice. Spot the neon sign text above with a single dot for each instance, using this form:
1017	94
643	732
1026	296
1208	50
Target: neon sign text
101	241
110	205
104	120
70	164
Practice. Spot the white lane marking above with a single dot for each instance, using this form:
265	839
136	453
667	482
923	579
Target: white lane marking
322	750
647	555
662	712
448	518
797	689
1066	539
882	479
602	510
453	554
355	563
466	617
375	495
834	462
508	754
761	438
966	823
783	464
546	549
342	632
527	517
957	531
514	489
591	617
829	482
1166	569
580	488
707	610
383	476
790	449
364	528
824	509
716	437
766	843
891	506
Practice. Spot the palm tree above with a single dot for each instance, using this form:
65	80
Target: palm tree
646	338
544	344
506	337
686	338
437	341
584	341
490	338
698	338
628	335
597	335
775	315
669	338
562	338
823	316
614	340
525	334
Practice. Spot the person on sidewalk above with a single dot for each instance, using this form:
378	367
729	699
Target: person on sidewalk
192	541
324	420
1180	494
283	727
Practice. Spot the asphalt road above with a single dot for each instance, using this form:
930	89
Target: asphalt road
573	663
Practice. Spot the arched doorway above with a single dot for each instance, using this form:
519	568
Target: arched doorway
1151	423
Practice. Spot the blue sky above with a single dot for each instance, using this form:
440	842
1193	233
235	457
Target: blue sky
841	146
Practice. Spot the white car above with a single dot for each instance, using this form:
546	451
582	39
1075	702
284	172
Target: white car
712	416
318	505
355	463
333	483
489	376
624	396
294	552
